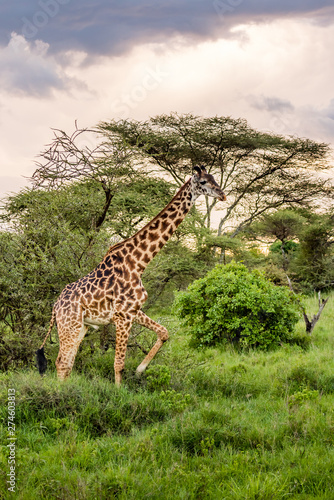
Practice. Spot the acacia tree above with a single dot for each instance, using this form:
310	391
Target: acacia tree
84	156
258	171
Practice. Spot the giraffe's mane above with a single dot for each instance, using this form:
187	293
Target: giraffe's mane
121	243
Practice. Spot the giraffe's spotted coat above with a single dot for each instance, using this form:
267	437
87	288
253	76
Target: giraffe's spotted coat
113	291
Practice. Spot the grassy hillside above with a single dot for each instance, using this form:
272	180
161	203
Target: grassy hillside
211	424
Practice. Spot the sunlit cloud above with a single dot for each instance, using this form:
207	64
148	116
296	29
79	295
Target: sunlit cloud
62	61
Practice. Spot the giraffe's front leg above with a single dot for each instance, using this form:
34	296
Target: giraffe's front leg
123	324
162	333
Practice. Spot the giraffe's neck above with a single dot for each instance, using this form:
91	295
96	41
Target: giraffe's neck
148	241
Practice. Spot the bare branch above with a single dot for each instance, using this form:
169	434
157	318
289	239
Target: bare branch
321	304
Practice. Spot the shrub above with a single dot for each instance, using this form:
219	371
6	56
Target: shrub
234	304
158	377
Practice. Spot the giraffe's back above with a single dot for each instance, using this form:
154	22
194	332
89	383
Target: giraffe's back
111	286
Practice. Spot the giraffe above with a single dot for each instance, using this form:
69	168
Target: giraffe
113	291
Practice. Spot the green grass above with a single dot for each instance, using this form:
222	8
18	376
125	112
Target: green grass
212	424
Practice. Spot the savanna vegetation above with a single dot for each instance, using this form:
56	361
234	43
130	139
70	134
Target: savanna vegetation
239	403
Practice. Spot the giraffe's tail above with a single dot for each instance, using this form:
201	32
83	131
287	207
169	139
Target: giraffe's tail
40	356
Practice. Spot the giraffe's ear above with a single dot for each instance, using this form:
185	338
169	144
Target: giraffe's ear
197	171
203	169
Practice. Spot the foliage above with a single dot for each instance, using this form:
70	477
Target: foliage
158	377
175	401
257	171
314	263
175	266
302	396
252	425
289	247
302	247
282	225
233	304
52	239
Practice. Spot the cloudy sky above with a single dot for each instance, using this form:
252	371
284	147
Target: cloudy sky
66	60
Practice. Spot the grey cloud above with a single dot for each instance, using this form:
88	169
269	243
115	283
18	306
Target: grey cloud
113	27
324	121
284	118
329	111
271	104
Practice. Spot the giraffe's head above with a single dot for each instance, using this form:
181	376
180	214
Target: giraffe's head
204	183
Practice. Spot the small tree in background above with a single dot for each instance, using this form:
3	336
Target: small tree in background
282	226
314	262
233	304
303	244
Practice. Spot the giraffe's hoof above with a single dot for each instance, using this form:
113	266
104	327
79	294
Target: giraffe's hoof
140	370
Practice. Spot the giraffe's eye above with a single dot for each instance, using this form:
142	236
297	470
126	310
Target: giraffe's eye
202	182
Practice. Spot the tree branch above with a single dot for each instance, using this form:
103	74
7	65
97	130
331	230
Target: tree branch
321	303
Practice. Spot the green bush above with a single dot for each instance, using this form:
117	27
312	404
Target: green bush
234	304
158	377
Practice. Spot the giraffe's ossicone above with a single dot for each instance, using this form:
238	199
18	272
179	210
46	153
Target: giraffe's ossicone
113	291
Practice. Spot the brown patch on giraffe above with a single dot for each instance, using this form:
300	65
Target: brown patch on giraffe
153	236
130	262
137	254
146	258
164	226
143	235
118	271
135	240
111	281
124	287
107	261
154	226
117	258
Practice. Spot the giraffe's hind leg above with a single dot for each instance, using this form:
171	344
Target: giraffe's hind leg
162	333
69	340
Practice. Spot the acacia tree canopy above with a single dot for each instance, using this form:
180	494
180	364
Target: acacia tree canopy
258	171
